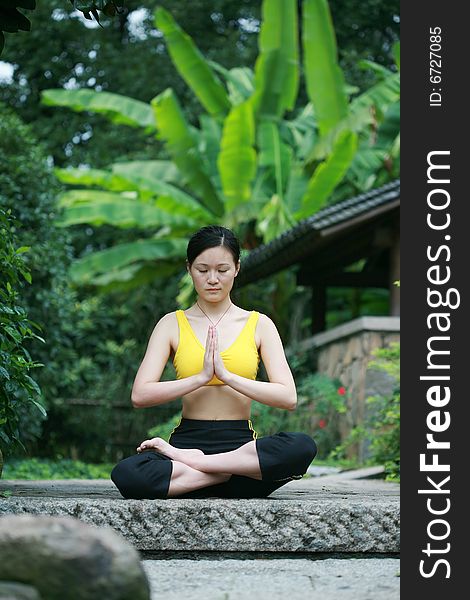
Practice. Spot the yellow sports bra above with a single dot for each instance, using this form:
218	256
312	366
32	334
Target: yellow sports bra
241	357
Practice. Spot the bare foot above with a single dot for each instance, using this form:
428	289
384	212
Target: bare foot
189	457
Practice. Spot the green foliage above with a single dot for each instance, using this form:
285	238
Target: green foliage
192	66
27	188
247	162
318	406
17	388
83	338
165	428
91	416
93	344
60	50
324	77
36	468
382	426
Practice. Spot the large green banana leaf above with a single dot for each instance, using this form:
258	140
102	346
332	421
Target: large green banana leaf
182	146
209	146
370	161
123	213
380	71
390	127
93	177
149	170
296	188
381	95
274	219
146	179
151	184
85	196
273	153
363	111
118	109
239	82
323	75
328	175
156	193
192	66
163	170
111	260
365	166
237	158
277	66
136	275
279	31
301	132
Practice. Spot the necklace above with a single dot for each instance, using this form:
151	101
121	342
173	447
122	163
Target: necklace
215	324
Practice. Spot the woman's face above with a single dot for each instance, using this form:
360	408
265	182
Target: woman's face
213	273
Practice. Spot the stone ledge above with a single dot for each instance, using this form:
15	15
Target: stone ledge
382	324
322	514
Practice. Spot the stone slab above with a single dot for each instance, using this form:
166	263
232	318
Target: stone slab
366	323
336	513
275	579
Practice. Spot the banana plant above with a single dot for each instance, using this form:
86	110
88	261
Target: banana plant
255	157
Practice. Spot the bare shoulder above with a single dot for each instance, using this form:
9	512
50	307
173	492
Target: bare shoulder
166	322
265	322
169	318
266	329
167	326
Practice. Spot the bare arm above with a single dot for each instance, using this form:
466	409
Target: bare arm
147	389
280	390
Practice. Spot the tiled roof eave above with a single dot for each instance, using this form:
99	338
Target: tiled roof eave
292	245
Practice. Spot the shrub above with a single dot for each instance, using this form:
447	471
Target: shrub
18	390
28	188
165	428
318	407
93	343
382	426
34	468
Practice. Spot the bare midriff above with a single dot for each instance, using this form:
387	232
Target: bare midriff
216	403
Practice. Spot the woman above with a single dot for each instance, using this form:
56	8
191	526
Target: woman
214	451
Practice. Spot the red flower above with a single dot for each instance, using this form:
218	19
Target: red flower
322	423
341	391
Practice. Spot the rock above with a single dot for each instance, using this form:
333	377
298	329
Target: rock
65	558
332	513
9	590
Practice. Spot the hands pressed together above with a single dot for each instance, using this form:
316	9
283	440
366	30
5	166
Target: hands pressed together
213	363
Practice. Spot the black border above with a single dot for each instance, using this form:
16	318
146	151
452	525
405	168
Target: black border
427	128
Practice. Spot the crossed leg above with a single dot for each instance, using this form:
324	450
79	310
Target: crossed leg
242	461
186	479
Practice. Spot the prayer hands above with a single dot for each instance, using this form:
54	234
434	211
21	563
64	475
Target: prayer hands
213	363
219	367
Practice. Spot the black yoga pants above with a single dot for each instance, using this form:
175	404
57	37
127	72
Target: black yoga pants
283	457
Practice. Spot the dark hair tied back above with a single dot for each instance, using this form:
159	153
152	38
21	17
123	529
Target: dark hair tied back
210	237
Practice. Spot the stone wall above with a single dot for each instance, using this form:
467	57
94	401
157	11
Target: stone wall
344	353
